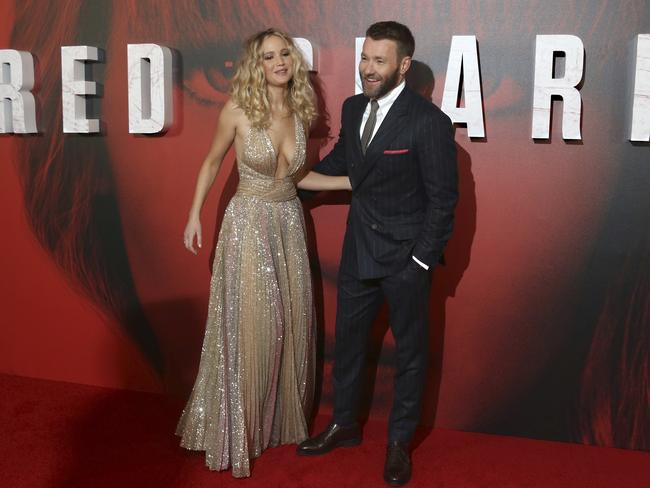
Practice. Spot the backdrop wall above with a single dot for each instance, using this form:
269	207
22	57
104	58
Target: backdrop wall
540	317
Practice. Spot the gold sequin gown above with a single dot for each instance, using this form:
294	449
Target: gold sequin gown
255	382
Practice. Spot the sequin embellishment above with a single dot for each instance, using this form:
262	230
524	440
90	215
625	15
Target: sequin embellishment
255	382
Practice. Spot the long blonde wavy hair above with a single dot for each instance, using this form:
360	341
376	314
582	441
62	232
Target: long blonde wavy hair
248	88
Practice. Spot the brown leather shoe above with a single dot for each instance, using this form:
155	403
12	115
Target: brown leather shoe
397	469
332	437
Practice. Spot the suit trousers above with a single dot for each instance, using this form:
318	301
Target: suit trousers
407	293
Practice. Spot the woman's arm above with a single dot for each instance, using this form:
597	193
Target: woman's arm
224	136
319	182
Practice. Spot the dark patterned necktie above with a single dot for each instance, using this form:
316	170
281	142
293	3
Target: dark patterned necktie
370	126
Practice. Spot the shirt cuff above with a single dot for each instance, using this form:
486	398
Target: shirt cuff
420	263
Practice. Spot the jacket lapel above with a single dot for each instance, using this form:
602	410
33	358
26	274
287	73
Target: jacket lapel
388	130
357	116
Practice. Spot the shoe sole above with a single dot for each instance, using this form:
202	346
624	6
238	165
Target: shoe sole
347	443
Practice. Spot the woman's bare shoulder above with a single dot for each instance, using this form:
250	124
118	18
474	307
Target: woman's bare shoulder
234	114
231	110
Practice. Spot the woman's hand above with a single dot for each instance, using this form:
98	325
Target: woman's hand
192	229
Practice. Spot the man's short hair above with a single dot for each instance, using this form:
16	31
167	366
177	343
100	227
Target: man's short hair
389	29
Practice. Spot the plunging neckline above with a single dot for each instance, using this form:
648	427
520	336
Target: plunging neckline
276	153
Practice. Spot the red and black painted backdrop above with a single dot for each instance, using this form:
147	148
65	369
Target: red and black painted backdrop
540	318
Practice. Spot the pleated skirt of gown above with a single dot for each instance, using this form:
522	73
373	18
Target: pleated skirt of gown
254	388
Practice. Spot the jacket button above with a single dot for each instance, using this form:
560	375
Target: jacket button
373	226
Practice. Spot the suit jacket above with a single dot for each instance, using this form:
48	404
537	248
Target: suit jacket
404	190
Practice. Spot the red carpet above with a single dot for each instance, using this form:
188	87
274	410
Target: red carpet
66	435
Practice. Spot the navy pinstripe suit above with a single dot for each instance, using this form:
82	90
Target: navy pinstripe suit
403	197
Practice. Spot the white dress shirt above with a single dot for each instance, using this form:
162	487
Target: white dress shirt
385	103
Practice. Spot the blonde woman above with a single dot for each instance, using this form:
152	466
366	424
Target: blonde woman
255	381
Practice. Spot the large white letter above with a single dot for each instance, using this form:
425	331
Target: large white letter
546	85
74	88
17	107
463	58
358	47
150	88
640	130
307	50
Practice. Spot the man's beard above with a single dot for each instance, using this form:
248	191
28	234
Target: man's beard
386	85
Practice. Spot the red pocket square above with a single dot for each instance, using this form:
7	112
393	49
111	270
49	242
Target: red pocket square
396	151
